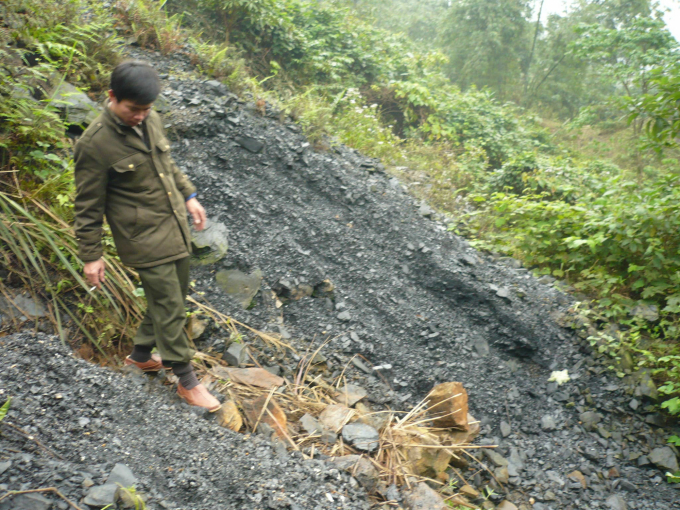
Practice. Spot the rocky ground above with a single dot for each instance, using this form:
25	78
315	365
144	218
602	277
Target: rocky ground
407	296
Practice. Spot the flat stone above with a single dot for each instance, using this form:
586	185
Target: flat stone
252	376
501	474
469	492
361	436
647	388
30	306
503	293
334	417
362	366
162	104
329	437
577	476
242	286
4	466
481	345
506	429
548	422
516	459
128	500
367	416
603	432
495	457
506	505
616	502
468	260
425	210
273	416
311	424
249	143
449	405
236	355
121	474
427	462
30	502
647	312
360	468
590	419
229	417
344	316
350	394
423	497
76	107
101	495
655	419
211	244
196	327
664	458
643	460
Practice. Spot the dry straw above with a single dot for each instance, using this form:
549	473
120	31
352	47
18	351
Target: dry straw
404	436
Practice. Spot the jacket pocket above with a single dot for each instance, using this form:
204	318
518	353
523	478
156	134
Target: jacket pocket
130	163
142	222
132	173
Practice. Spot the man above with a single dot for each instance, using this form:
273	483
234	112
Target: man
123	170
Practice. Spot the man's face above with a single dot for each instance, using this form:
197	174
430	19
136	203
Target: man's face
128	111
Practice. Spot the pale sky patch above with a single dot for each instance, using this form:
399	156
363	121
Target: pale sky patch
672	17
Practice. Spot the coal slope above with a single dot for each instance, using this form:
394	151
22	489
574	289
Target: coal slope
70	422
410	294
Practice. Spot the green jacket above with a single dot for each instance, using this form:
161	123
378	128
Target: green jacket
140	190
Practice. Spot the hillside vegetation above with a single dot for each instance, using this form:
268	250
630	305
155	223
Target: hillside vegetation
495	117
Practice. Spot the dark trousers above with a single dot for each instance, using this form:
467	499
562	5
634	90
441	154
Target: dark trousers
166	287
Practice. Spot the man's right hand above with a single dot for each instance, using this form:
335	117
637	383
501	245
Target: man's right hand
94	273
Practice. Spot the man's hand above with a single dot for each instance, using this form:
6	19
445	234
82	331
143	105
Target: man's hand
197	213
94	273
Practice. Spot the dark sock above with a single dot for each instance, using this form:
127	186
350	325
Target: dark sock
186	374
141	353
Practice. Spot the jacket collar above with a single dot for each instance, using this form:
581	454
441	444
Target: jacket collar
131	138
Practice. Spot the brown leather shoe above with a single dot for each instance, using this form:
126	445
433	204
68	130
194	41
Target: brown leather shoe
198	396
153	365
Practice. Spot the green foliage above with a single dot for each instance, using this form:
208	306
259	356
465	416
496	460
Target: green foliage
488	43
5	408
612	238
150	24
673	478
659	107
674	440
626	53
312	44
47	44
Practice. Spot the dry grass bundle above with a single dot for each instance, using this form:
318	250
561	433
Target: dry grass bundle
410	448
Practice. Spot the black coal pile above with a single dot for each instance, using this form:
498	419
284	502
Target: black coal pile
410	296
85	430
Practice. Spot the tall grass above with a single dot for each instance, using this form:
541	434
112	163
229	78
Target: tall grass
49	43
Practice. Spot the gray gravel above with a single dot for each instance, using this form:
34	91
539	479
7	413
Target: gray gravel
90	418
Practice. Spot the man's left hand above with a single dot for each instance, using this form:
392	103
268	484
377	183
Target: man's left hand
197	213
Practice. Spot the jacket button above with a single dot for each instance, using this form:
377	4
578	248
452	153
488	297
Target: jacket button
169	193
161	175
174	211
131	166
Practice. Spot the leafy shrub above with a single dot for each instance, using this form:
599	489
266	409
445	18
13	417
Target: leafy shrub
47	44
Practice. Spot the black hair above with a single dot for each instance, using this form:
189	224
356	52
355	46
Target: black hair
136	81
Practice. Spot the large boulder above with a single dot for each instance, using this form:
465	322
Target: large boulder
448	406
74	105
210	245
